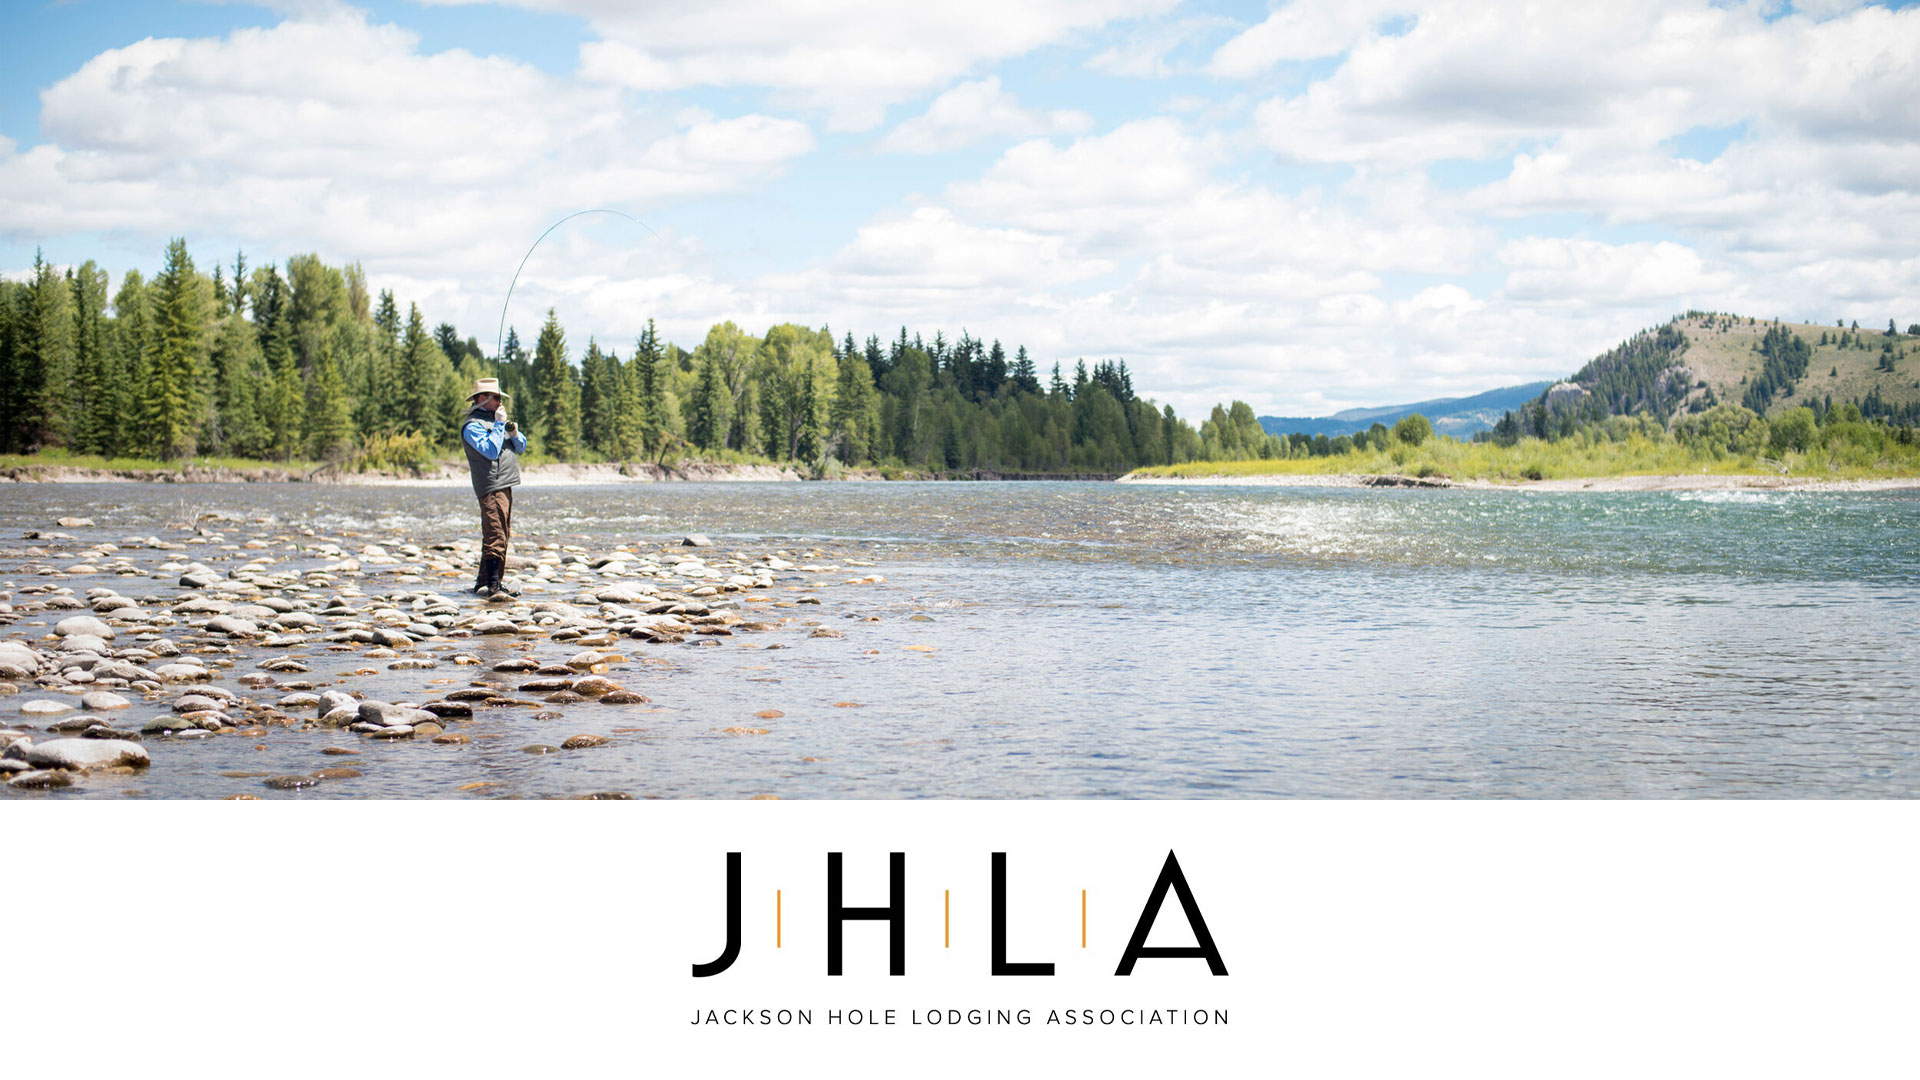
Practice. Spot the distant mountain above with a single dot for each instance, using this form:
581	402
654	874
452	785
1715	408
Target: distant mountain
1458	417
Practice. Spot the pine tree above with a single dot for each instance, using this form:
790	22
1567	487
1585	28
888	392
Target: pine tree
854	418
241	289
599	400
627	442
553	380
94	399
377	411
650	382
449	341
807	440
283	407
316	304
173	394
1021	377
911	431
420	374
12	300
45	357
710	416
240	377
281	397
994	370
332	433
130	350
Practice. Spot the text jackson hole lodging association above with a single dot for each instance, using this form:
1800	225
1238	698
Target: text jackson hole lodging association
1127	1017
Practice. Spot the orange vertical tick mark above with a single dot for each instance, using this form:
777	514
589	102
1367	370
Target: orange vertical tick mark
776	918
1083	918
946	918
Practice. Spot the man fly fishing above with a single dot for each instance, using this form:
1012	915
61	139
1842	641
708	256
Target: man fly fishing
493	444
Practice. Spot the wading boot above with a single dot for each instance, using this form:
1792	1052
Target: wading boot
489	573
497	589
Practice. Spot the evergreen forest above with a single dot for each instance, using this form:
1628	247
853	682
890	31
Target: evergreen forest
301	362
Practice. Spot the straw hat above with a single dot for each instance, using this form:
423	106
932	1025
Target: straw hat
488	386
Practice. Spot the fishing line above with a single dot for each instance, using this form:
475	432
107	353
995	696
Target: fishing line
499	338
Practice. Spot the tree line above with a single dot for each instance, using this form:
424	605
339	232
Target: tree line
258	363
301	361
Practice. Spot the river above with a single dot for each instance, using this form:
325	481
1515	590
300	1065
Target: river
1069	640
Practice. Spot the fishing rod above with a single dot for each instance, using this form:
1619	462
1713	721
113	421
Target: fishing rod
499	339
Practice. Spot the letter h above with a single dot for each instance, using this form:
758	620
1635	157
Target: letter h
894	914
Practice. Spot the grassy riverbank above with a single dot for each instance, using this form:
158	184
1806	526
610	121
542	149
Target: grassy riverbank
57	466
1569	459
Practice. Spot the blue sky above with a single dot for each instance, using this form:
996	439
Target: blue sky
1306	206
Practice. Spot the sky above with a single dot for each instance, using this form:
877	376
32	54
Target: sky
1306	206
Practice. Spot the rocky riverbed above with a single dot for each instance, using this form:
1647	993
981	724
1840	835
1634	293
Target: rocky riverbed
327	654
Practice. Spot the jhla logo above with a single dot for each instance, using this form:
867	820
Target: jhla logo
894	914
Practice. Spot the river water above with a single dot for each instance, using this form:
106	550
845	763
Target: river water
1065	640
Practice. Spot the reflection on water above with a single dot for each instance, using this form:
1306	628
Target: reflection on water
1099	640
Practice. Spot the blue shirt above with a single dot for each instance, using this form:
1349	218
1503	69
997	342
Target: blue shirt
488	439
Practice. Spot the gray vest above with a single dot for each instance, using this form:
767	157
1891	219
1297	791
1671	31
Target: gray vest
489	476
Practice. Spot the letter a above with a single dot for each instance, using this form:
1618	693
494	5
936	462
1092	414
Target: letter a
732	951
1170	876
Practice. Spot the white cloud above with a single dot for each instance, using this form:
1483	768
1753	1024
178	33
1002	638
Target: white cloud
851	57
1150	188
1303	30
341	136
1474	80
1143	54
1555	271
974	111
1215	288
932	249
1826	8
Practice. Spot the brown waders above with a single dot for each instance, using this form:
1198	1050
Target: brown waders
496	530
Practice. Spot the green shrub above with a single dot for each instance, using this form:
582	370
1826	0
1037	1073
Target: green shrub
1795	429
1413	429
405	451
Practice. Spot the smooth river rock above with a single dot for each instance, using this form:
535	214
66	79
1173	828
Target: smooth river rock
291	783
41	779
87	754
233	627
379	712
83	624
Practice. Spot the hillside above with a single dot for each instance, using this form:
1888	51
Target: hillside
1458	417
1700	358
1687	365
